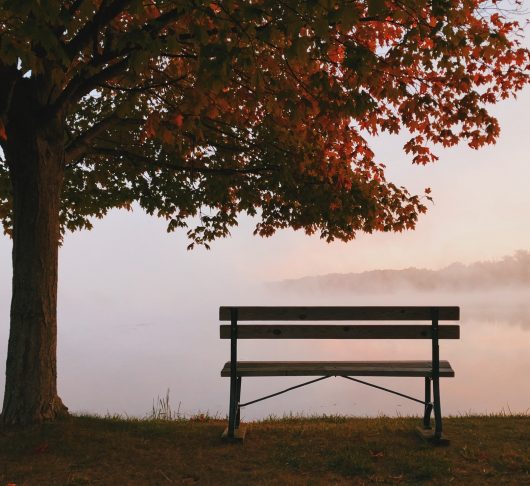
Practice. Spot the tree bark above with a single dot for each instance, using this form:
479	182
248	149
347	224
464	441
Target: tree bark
35	157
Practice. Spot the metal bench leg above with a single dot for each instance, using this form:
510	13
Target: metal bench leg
232	408
428	404
233	376
238	401
436	438
437	409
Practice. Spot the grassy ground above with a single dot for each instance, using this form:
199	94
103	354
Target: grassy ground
325	450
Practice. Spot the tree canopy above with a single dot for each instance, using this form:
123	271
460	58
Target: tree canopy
213	108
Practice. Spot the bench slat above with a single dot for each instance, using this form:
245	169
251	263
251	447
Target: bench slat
377	331
340	313
349	368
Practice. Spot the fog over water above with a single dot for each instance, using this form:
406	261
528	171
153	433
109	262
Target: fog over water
133	324
120	365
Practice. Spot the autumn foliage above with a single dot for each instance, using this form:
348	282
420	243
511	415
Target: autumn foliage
262	107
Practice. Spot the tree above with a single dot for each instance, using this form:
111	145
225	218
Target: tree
215	108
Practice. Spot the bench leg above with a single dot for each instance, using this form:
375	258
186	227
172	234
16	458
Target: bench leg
437	408
426	433
428	404
234	433
238	401
232	407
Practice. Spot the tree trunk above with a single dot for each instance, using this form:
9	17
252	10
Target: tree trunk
35	156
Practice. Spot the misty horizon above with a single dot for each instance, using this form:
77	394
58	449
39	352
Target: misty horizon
507	272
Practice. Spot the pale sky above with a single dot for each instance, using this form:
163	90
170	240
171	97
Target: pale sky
480	212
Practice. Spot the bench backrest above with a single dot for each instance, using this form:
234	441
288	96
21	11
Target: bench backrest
328	331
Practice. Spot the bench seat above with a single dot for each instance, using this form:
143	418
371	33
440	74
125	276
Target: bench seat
333	368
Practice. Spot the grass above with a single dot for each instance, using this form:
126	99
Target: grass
85	450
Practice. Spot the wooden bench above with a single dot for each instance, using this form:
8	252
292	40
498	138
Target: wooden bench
431	370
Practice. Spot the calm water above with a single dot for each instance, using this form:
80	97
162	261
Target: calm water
116	355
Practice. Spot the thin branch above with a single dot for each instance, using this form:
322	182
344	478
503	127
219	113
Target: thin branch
214	126
103	16
155	26
9	76
80	86
139	89
108	73
149	163
78	147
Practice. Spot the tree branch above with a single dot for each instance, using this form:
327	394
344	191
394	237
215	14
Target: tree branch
9	75
139	89
149	163
108	73
155	26
80	86
103	16
78	147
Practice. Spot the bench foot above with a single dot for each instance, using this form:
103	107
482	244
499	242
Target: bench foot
239	434
428	436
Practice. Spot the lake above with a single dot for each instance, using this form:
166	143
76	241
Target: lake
116	355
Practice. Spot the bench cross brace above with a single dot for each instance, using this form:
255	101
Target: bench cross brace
385	389
283	391
427	404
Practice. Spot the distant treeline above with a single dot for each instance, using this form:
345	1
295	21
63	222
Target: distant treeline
511	271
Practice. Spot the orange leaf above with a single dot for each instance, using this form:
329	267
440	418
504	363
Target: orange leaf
212	112
215	8
167	137
336	53
178	120
152	11
3	134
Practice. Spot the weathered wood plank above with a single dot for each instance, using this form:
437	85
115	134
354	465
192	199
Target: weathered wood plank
340	313
333	368
377	331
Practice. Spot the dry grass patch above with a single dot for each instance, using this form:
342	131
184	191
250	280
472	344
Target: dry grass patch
291	451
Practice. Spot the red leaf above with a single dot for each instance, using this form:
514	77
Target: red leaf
178	120
3	134
336	53
215	8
